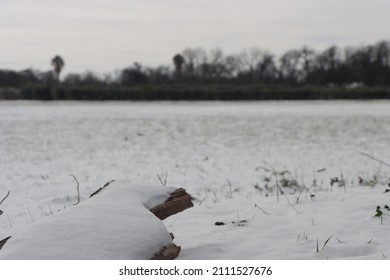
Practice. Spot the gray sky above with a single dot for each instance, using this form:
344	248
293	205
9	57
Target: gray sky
107	35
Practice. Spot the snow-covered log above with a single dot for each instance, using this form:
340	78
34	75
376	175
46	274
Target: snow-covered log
178	201
116	223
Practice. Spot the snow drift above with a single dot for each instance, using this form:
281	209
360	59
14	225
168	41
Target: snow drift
115	224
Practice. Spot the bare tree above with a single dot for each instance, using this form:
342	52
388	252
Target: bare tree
250	58
214	66
308	59
256	65
266	69
133	75
296	65
194	58
329	59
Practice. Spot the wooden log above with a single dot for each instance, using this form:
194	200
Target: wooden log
169	252
178	201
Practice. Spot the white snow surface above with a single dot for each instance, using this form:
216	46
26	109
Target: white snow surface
223	153
114	224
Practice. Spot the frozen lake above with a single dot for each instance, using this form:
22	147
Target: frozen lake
206	147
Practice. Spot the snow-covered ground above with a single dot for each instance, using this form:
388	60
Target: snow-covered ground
228	156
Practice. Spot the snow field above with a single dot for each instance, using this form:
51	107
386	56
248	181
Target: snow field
218	152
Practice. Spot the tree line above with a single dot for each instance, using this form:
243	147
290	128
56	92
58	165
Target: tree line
199	70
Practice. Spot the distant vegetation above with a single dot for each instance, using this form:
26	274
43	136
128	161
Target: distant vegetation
253	74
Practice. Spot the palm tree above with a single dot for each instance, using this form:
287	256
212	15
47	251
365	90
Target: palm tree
58	63
178	61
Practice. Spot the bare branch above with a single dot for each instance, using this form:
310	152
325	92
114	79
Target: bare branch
163	178
5	197
78	189
3	241
262	210
101	188
373	158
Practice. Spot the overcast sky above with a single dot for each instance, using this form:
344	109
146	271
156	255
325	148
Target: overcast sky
107	35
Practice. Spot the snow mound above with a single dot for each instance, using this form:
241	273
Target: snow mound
114	224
